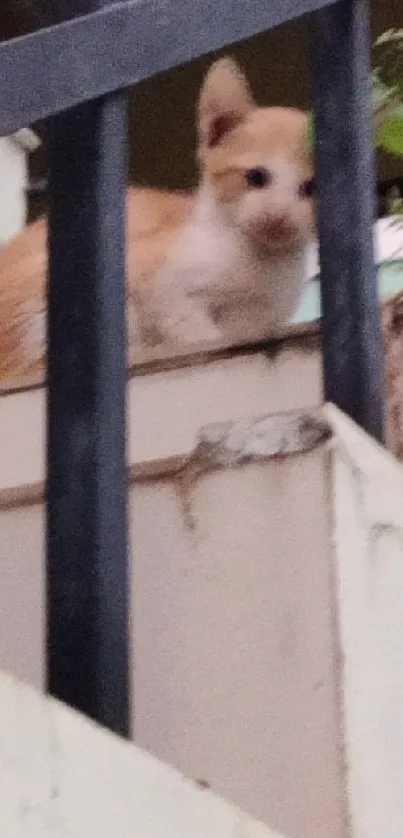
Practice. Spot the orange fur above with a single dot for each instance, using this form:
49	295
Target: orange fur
225	262
153	218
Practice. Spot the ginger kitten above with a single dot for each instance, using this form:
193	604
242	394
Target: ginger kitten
223	264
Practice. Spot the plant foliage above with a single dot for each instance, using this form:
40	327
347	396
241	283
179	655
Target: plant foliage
386	93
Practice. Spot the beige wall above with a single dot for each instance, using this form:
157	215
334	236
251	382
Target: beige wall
166	407
257	555
233	672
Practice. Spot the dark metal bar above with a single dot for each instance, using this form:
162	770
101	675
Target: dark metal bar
344	165
121	45
87	574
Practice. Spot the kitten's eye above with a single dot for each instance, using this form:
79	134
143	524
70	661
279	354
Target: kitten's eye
258	178
307	189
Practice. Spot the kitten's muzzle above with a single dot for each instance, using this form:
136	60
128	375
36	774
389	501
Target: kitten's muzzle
275	231
277	226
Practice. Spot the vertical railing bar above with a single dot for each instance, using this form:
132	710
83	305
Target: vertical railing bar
352	350
87	573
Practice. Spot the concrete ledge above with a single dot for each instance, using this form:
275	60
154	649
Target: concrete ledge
62	776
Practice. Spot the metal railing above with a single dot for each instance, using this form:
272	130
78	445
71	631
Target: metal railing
73	72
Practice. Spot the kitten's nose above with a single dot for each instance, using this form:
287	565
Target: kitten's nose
277	225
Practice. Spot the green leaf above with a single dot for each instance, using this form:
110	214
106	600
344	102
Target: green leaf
386	96
311	132
389	136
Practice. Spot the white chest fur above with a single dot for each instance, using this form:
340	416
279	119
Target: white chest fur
214	270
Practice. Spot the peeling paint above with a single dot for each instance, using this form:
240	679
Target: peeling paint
233	444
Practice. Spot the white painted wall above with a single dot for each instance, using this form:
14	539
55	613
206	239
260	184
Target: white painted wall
63	777
368	522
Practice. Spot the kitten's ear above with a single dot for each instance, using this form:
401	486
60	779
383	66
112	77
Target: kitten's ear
225	100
